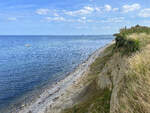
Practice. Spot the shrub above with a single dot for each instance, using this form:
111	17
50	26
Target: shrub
128	45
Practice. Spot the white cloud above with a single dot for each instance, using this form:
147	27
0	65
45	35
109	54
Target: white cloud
97	9
55	18
42	11
89	8
84	11
83	18
56	14
114	20
133	7
12	18
83	21
108	7
115	9
79	20
145	13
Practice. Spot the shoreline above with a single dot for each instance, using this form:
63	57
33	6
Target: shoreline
59	95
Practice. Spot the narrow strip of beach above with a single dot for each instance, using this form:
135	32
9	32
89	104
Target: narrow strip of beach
61	95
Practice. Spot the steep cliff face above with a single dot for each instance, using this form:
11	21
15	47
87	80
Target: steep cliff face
134	92
128	78
95	98
120	81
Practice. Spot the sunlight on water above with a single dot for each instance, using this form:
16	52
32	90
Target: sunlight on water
27	62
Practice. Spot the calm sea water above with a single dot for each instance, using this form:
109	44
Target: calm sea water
29	62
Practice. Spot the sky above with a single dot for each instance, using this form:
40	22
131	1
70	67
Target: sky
71	17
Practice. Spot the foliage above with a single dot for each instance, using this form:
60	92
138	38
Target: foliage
98	102
133	73
136	29
100	62
128	45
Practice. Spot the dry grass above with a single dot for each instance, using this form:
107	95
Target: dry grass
143	38
135	96
97	66
97	100
130	78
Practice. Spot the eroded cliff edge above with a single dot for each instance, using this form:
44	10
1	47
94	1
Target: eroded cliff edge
118	81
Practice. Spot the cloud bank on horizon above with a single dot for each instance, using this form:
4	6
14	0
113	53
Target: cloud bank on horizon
66	17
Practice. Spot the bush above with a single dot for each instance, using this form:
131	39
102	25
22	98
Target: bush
132	45
127	45
136	29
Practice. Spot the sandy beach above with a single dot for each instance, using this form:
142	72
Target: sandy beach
64	93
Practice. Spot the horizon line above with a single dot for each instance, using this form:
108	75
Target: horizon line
58	35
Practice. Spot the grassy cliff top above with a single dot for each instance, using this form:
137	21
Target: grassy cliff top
120	76
132	39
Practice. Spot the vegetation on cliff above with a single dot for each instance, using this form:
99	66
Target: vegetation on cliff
132	39
120	76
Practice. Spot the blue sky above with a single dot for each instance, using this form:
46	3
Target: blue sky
71	17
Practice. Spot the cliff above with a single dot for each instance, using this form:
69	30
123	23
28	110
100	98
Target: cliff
118	81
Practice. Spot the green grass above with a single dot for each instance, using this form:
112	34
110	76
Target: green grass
98	102
135	29
128	45
136	76
100	62
97	66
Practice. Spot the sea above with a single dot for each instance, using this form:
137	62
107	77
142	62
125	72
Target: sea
28	63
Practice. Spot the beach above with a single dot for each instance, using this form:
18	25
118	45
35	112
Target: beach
65	92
